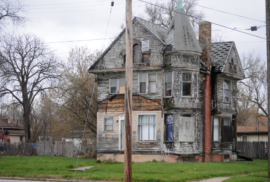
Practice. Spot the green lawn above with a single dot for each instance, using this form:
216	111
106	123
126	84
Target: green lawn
59	167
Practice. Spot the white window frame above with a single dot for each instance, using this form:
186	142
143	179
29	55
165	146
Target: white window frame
213	129
150	84
230	89
138	136
165	96
146	91
191	86
108	117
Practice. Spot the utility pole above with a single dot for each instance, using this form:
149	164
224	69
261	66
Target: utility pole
128	94
267	4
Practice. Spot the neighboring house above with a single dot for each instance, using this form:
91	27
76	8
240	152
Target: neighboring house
177	114
16	131
252	133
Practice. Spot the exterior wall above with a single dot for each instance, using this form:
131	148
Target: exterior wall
254	137
223	107
104	85
109	141
114	58
15	139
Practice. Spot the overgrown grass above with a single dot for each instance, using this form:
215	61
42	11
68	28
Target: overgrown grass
59	167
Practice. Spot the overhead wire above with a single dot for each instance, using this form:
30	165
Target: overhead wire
230	13
205	20
112	4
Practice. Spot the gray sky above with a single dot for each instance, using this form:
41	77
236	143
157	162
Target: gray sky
70	20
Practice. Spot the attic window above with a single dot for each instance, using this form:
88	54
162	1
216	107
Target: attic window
145	58
137	54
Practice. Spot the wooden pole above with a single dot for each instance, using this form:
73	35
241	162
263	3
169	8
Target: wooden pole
128	94
267	4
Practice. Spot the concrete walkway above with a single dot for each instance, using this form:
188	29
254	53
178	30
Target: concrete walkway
219	179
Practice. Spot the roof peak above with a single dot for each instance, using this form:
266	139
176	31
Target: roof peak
179	5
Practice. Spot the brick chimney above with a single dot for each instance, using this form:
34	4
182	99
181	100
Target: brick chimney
205	43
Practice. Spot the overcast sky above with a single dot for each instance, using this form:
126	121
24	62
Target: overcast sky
71	20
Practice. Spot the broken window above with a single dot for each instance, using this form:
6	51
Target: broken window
122	83
145	58
152	83
216	129
117	86
142	82
147	127
187	128
108	124
226	91
168	84
113	86
169	127
186	81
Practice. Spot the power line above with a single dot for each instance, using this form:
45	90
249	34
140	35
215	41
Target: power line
77	10
206	20
230	13
108	24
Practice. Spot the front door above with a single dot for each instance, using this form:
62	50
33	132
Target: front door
122	135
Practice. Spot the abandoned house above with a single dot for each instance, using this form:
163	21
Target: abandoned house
184	94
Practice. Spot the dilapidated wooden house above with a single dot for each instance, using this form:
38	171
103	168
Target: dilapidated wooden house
184	94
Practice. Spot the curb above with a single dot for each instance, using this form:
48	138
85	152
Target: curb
53	180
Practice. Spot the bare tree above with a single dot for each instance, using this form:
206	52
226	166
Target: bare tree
75	90
28	69
10	11
254	86
162	13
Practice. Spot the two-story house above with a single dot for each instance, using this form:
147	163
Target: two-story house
184	94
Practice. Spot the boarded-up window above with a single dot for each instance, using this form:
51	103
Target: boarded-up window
137	54
122	82
113	86
226	91
168	84
187	128
227	133
145	58
145	46
142	81
216	129
152	83
169	127
147	127
186	81
108	124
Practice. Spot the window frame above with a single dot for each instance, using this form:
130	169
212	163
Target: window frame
152	81
117	85
165	73
228	119
146	86
219	130
191	86
108	117
165	128
138	135
226	89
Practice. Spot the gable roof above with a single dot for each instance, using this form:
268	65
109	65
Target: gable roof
220	53
6	123
158	31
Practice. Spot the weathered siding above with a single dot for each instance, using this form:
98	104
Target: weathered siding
222	106
109	141
114	58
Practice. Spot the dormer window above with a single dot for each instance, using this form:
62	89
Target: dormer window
232	65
